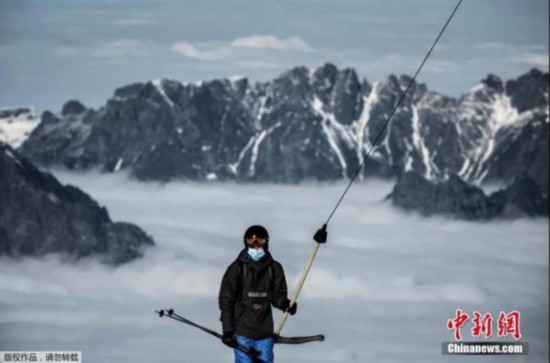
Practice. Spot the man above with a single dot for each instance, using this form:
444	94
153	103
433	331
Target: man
250	286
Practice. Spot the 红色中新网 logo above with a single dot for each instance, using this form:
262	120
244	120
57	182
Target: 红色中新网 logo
483	325
508	324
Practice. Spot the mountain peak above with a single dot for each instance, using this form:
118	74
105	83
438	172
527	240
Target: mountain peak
493	82
128	91
73	107
297	74
327	70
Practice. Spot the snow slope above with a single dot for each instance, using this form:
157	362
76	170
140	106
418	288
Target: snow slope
17	124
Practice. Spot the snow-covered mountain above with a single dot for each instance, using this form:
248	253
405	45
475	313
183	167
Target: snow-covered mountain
305	124
16	124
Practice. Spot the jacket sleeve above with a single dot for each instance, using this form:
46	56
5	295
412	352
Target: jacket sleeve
228	297
280	292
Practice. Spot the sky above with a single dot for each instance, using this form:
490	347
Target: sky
56	50
381	289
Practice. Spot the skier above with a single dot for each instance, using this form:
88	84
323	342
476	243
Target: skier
250	286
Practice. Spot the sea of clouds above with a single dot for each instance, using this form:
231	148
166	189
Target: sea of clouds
381	289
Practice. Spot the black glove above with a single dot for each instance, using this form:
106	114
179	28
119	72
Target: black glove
321	235
291	309
228	338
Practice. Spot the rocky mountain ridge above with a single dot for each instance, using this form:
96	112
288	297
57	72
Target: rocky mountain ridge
456	198
305	124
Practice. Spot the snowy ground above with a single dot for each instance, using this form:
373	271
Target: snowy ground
381	290
15	130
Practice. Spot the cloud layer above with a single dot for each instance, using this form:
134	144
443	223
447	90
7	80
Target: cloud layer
384	276
107	44
533	59
233	49
191	51
271	42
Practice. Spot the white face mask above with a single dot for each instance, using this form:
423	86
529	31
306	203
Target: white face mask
255	254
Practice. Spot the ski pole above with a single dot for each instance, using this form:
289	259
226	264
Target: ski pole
251	352
171	314
300	284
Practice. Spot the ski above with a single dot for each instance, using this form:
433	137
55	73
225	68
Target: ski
299	340
253	353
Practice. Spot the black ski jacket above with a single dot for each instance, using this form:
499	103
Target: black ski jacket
247	291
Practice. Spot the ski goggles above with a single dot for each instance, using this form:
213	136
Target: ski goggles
255	241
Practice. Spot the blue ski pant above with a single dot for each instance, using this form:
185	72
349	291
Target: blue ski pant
264	346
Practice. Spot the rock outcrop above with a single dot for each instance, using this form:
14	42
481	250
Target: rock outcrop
38	216
454	197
